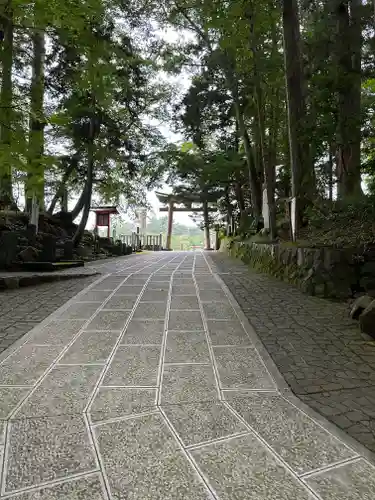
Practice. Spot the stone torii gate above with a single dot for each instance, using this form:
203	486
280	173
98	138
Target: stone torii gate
170	200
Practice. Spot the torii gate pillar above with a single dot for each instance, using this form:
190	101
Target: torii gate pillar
170	224
207	239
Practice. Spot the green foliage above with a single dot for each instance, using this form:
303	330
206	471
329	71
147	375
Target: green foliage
159	226
187	241
101	65
348	223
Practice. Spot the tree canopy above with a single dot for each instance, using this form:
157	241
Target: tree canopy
278	109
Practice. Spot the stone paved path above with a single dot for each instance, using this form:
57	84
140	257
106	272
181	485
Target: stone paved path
150	385
24	308
315	345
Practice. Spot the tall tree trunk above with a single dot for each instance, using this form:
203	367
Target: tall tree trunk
64	199
35	177
302	171
60	190
6	102
255	185
348	137
271	162
267	166
330	172
229	211
240	198
87	191
254	181
80	203
270	168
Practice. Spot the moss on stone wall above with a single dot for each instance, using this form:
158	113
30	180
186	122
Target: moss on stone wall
324	272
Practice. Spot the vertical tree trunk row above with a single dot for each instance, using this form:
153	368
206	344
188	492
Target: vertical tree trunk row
6	103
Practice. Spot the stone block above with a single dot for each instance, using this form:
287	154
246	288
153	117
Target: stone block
9	283
8	248
68	249
29	254
31	234
48	253
360	305
367	320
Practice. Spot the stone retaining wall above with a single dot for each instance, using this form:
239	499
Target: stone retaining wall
324	272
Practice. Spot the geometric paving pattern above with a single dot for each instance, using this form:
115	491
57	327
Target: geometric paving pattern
148	385
313	342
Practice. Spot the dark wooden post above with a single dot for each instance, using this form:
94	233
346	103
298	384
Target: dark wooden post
170	224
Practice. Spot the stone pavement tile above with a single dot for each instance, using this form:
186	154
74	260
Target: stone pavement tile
205	277
209	286
213	295
65	390
121	302
186	347
79	489
155	295
91	347
134	366
109	284
229	395
144	332
183	290
46	449
150	310
243	469
112	402
2	433
187	384
183	281
227	333
109	320
158	286
59	332
80	310
241	368
219	310
185	302
142	276
94	296
354	481
27	364
143	462
185	321
302	443
199	422
129	290
136	281
9	399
